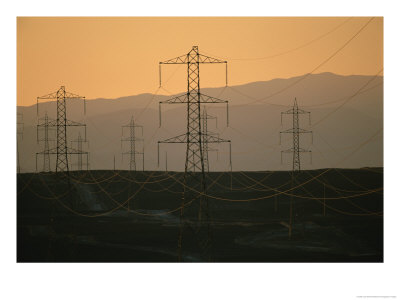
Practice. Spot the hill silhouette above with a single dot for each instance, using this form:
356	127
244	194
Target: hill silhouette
343	120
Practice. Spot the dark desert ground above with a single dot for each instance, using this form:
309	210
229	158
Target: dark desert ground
89	220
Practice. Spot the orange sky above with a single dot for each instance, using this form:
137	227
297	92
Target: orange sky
113	57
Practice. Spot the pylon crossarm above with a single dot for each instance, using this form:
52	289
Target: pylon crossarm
177	139
291	130
54	96
184	99
213	139
131	139
304	131
304	150
73	123
51	151
176	100
183	59
293	111
290	111
129	126
49	124
300	111
74	151
73	96
53	123
204	59
208	99
48	96
287	131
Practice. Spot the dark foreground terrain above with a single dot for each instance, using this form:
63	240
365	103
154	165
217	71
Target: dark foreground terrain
121	216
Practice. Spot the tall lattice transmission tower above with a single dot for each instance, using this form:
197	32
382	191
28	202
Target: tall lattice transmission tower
295	111
194	138
20	133
132	139
79	144
44	125
61	123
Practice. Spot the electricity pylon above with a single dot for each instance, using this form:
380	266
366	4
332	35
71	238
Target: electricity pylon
62	124
194	176
132	139
44	125
206	148
79	141
296	131
20	133
295	150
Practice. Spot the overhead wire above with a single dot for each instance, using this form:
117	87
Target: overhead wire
316	178
335	209
280	192
288	51
348	99
338	191
120	205
336	169
301	78
295	187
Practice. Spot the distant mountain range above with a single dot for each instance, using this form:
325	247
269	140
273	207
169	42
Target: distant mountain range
346	120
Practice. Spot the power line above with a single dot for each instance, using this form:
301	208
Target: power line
291	50
313	70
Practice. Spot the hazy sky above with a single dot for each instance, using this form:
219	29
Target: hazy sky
113	57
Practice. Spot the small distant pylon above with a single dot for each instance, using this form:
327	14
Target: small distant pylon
296	150
296	131
20	133
44	125
204	122
132	139
79	142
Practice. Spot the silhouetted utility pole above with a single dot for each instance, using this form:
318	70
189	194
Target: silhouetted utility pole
43	124
132	139
295	150
194	138
79	141
61	123
20	133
